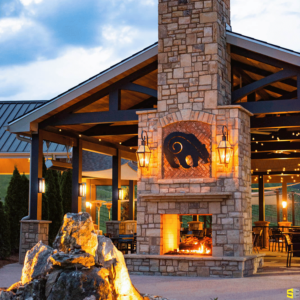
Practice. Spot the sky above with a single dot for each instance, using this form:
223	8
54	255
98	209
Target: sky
49	46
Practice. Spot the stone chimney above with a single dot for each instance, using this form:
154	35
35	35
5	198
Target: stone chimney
193	59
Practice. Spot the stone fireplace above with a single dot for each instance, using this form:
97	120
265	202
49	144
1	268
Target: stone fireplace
185	175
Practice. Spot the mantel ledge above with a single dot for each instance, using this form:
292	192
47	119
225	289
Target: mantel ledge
186	197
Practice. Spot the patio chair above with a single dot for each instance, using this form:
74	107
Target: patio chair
126	243
290	250
257	233
280	240
272	239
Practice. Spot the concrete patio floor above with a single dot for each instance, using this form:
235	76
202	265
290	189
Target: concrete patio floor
272	283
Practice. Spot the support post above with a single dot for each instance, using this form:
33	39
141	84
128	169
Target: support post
131	200
284	198
116	184
293	208
278	207
76	176
36	172
261	193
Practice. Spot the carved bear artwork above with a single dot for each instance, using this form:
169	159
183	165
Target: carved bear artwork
181	145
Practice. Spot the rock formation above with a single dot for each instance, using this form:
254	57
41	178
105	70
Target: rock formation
80	266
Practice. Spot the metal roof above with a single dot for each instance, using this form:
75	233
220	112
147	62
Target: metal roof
9	143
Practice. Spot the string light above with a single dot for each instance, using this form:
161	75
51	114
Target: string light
262	144
253	139
59	129
99	140
256	142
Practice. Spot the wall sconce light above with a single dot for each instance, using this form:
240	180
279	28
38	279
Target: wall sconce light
88	205
284	204
143	153
42	185
224	148
121	194
81	190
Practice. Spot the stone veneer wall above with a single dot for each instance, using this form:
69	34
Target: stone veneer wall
31	233
193	266
231	218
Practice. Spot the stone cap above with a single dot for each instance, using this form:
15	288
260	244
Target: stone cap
143	112
194	257
36	221
236	107
186	197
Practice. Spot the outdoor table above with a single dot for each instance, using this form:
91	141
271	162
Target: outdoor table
296	241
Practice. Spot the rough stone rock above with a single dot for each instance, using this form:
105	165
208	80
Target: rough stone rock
72	260
6	295
52	277
36	262
77	230
80	284
112	259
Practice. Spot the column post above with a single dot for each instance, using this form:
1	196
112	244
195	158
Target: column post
36	172
261	194
116	184
131	200
76	176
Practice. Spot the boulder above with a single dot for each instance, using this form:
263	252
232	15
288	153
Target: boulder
36	262
77	231
72	260
80	284
6	295
112	259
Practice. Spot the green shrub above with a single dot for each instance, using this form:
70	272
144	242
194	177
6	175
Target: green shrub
66	191
4	233
16	206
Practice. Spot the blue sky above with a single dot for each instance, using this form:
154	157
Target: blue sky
48	46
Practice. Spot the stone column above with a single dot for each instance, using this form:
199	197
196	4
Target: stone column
31	232
113	227
193	57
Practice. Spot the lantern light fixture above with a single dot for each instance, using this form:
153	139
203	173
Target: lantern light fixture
224	148
88	205
143	153
42	185
81	190
284	204
121	194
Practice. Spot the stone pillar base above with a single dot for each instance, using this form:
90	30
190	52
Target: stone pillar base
31	232
113	228
265	227
285	223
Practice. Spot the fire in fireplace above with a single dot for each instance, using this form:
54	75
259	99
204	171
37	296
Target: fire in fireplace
187	235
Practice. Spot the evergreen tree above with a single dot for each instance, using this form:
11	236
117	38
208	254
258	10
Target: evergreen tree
4	233
54	202
66	191
16	206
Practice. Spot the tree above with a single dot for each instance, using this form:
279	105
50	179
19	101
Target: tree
16	205
54	203
4	233
66	191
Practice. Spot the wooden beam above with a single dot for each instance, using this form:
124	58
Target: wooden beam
115	100
140	89
253	87
267	155
107	130
128	155
272	106
292	120
148	103
58	138
280	146
98	95
132	142
98	117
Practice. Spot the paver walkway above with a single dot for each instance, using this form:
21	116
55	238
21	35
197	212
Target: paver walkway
271	284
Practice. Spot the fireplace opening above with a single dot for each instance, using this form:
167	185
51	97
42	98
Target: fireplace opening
187	235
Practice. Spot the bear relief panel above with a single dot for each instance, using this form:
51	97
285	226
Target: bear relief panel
187	150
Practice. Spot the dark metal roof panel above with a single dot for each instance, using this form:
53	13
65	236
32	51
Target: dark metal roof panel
10	110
